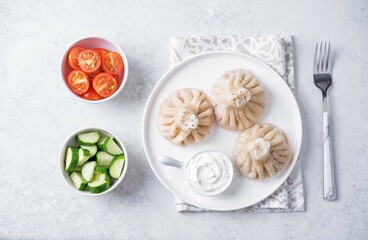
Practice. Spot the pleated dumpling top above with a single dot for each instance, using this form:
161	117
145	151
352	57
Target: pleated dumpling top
185	116
261	151
238	99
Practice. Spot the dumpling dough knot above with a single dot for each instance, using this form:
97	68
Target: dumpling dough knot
239	98
260	149
186	120
185	116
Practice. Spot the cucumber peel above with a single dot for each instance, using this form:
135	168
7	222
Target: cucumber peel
78	180
108	144
98	186
77	169
89	138
104	159
101	144
88	170
83	156
102	177
100	169
116	166
92	149
113	148
71	159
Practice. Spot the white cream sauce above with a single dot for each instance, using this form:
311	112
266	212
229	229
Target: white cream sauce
209	172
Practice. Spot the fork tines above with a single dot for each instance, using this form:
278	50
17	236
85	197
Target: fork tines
322	58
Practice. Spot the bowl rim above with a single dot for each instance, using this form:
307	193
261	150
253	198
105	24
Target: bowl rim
124	79
62	155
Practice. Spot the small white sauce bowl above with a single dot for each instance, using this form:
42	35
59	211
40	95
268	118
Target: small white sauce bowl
91	43
183	166
71	141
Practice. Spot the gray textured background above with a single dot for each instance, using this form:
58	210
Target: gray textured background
38	114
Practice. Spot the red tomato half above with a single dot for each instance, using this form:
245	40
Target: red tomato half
91	95
93	74
116	76
78	82
73	57
112	63
105	84
89	60
101	51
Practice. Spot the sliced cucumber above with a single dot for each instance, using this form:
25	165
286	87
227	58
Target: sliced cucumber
104	159
88	139
88	170
101	177
98	186
102	174
71	159
78	180
116	166
101	144
100	169
83	156
92	149
112	148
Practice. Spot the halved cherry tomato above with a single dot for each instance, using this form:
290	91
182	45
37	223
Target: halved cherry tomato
91	95
112	63
93	74
78	82
105	84
116	76
89	60
73	57
101	51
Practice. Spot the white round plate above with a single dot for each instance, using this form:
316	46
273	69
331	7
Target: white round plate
199	72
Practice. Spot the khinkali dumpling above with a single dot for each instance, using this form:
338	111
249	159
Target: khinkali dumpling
239	99
185	116
261	151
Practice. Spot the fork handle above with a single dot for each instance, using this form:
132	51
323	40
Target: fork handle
329	188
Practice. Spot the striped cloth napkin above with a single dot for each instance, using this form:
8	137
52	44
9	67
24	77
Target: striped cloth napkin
277	52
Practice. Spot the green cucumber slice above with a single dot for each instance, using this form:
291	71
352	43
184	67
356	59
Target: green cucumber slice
71	159
101	144
116	166
101	177
101	174
92	149
112	148
100	169
88	139
104	159
78	180
88	170
77	169
83	156
98	186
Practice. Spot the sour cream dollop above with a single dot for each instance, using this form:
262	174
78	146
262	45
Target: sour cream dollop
209	173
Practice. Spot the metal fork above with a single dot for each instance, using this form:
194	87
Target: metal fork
322	69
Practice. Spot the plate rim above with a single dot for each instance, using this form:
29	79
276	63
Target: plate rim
182	64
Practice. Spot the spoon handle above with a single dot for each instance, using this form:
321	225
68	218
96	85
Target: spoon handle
171	162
